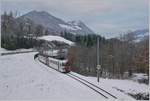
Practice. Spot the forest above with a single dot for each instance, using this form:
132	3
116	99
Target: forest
118	56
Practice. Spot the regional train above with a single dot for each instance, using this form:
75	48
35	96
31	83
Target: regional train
57	64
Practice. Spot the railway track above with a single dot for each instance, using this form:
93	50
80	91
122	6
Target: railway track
97	89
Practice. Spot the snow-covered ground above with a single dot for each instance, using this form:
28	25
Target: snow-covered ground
2	50
139	76
124	86
22	78
56	38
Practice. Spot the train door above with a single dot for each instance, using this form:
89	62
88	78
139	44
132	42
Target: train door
58	66
47	61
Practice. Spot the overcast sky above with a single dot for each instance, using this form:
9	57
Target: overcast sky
106	17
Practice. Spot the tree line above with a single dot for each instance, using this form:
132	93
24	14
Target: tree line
17	33
117	55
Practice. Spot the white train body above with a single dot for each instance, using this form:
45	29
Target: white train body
60	65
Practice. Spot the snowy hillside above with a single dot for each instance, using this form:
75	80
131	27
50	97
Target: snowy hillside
80	27
23	78
124	86
56	38
67	27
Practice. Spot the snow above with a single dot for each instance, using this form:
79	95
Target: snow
141	36
113	85
67	27
2	50
22	78
17	50
75	22
139	76
77	27
71	27
56	38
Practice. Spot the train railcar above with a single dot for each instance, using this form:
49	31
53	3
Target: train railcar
60	65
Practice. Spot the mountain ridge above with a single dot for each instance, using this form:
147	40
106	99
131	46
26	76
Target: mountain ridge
56	25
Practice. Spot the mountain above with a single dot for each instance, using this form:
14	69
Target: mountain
81	28
135	36
54	24
141	34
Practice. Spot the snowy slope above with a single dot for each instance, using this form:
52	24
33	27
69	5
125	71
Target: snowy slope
56	38
123	86
67	27
22	78
82	29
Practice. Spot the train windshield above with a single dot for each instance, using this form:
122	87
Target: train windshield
65	64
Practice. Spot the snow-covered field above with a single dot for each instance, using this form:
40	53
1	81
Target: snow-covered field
56	38
124	86
22	78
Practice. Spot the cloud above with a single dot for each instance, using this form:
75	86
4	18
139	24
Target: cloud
100	15
81	6
78	7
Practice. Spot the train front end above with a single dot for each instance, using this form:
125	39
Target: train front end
66	67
